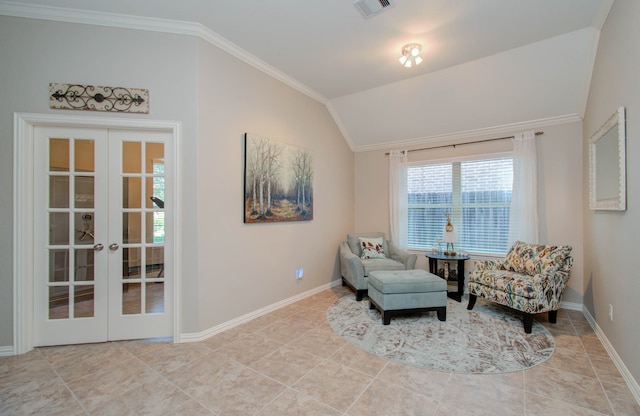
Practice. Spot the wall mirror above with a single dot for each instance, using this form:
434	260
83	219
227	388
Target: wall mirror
607	165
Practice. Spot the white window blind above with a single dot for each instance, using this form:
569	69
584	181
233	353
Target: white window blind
477	195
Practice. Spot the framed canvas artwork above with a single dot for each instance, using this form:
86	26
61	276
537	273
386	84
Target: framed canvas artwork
278	181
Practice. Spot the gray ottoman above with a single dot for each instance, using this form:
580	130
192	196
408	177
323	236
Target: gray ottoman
402	291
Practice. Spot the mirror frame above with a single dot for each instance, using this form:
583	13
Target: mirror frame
614	160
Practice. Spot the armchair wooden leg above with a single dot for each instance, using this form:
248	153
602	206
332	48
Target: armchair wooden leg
553	316
344	282
528	322
472	301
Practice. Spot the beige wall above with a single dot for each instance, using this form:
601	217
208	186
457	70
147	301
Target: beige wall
559	185
244	267
611	238
228	269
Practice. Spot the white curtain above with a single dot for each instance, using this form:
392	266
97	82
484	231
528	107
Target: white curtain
523	220
398	198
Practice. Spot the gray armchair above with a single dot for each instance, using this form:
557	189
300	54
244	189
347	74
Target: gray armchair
355	269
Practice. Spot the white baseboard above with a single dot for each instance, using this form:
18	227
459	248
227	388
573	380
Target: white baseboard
7	350
624	371
199	336
572	306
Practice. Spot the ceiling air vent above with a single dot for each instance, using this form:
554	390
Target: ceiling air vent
370	8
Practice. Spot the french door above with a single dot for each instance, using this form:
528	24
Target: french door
102	235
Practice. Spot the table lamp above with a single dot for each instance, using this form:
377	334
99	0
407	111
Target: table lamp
449	236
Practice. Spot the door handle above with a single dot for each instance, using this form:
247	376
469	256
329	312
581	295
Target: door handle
113	246
98	247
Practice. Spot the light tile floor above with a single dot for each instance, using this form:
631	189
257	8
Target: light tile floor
290	362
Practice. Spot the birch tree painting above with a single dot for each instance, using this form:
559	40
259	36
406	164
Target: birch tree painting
278	181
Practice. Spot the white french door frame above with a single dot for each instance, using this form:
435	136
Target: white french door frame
23	211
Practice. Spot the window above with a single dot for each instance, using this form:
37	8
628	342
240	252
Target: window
477	194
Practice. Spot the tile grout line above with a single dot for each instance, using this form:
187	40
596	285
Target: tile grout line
66	386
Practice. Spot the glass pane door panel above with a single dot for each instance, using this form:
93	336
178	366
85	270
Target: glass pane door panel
154	156
84	192
58	192
155	227
83	228
83	305
154	297
58	228
84	156
131	227
132	157
59	155
84	265
59	302
155	262
131	299
131	193
59	265
155	192
131	261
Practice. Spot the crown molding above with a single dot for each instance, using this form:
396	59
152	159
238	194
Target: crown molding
122	21
471	134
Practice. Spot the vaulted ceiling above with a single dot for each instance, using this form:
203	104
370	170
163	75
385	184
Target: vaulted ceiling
489	65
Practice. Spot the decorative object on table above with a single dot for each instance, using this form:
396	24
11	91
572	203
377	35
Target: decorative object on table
487	340
531	280
449	236
278	181
98	98
437	247
607	165
447	272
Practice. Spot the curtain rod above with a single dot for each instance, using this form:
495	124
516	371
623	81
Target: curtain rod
538	133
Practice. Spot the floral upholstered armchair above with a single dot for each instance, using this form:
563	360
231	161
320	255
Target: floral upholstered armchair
531	279
366	252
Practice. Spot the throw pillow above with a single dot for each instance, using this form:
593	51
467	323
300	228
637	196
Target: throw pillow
514	260
371	248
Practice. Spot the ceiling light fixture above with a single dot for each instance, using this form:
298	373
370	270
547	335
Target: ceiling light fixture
411	55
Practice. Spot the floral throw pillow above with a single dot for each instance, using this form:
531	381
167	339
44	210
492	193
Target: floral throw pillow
371	248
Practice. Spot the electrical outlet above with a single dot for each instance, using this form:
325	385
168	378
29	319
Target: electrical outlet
611	312
299	273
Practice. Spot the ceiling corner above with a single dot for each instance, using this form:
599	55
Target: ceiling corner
341	127
601	15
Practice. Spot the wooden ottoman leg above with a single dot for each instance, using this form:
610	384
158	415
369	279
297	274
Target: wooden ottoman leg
442	313
386	318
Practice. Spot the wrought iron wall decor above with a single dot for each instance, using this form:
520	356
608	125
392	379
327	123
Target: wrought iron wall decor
98	98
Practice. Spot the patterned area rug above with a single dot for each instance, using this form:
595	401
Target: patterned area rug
488	339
